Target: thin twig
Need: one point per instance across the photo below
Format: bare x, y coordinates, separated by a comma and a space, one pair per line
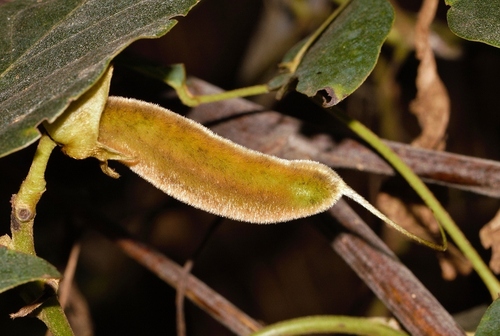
188, 266
69, 273
179, 298
170, 272
24, 205
452, 170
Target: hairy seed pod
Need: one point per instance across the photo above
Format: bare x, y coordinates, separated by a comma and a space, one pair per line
191, 163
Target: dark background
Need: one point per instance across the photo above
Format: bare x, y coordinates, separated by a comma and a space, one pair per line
271, 272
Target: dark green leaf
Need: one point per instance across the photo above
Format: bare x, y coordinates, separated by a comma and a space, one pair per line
475, 20
18, 268
51, 52
345, 54
490, 323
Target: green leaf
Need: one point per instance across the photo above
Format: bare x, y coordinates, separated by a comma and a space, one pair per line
475, 20
490, 323
51, 52
17, 268
345, 53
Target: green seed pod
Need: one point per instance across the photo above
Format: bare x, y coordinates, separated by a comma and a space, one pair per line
191, 163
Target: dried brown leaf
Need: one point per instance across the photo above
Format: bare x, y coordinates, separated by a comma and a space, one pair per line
432, 104
432, 109
69, 273
78, 312
453, 262
419, 219
26, 310
490, 238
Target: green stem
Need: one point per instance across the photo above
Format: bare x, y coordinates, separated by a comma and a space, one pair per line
329, 324
191, 100
22, 221
416, 183
54, 318
24, 203
175, 76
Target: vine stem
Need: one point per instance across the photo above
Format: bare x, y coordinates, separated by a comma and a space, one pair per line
22, 221
25, 201
416, 183
52, 314
329, 324
191, 100
175, 76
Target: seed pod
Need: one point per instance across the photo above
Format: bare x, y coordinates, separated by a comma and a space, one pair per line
191, 163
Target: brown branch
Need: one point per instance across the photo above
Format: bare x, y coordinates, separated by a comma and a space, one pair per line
179, 298
452, 170
173, 274
405, 296
252, 126
188, 266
